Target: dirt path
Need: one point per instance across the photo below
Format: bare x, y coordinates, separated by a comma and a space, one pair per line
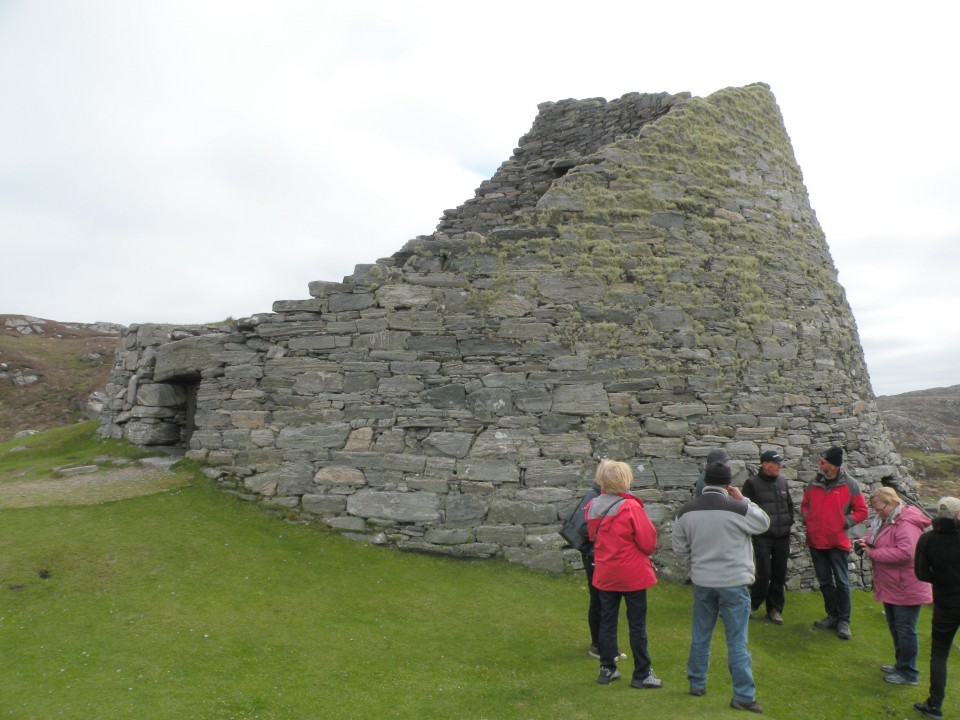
91, 489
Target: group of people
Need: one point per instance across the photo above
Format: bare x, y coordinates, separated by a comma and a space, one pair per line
737, 545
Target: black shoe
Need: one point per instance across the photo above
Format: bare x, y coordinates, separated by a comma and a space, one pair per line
607, 676
828, 623
898, 679
753, 706
843, 630
925, 708
775, 617
697, 692
887, 669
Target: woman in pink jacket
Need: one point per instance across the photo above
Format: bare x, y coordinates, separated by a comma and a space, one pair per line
623, 541
890, 545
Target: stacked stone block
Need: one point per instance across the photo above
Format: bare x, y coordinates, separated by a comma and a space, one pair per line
670, 292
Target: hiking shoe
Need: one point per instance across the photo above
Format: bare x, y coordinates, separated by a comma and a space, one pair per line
697, 692
898, 679
925, 708
843, 630
753, 706
607, 676
650, 682
888, 669
775, 617
828, 623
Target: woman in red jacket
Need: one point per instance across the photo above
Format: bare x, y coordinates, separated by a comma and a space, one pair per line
623, 540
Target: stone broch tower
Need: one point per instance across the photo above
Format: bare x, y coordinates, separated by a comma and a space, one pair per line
644, 280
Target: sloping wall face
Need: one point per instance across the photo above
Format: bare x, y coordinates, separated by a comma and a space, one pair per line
670, 293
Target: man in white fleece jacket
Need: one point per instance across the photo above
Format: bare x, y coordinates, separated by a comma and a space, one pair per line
713, 534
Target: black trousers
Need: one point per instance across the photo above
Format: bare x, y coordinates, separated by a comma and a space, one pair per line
770, 556
636, 602
943, 627
593, 611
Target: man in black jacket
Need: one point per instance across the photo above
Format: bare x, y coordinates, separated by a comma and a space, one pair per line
771, 549
937, 561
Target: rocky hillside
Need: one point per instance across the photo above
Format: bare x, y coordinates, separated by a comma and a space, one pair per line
926, 420
51, 373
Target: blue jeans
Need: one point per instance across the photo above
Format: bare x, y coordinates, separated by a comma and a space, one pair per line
830, 567
902, 621
733, 605
636, 602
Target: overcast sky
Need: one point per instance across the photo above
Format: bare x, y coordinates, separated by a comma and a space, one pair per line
186, 161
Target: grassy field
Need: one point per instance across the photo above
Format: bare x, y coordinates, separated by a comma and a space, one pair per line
191, 604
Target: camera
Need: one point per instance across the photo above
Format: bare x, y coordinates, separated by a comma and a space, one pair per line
858, 549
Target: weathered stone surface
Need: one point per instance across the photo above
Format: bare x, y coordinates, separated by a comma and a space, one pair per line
588, 399
325, 505
314, 437
452, 396
496, 471
505, 535
397, 296
504, 443
185, 359
339, 475
293, 478
449, 537
490, 402
161, 394
660, 447
551, 472
147, 433
455, 445
404, 507
509, 512
666, 428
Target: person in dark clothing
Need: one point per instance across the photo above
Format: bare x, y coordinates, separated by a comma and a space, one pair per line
937, 561
586, 555
771, 549
719, 455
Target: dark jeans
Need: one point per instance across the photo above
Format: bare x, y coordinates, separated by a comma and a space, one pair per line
770, 556
942, 629
593, 611
902, 621
830, 567
636, 602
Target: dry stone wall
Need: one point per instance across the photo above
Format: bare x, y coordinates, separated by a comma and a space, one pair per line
643, 280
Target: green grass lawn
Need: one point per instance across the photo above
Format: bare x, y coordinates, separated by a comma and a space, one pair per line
191, 604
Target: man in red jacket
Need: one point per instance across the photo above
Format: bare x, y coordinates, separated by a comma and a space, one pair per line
831, 505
